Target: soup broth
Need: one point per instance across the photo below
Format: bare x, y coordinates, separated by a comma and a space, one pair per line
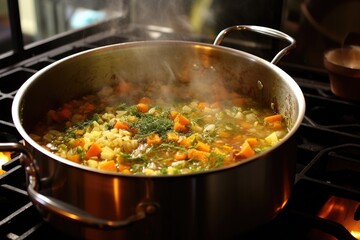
147, 135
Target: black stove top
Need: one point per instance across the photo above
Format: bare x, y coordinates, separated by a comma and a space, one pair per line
328, 159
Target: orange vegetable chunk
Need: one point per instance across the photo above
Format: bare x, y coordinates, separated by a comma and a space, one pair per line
173, 114
121, 125
277, 125
180, 156
198, 155
246, 150
201, 105
273, 118
78, 142
252, 141
108, 166
180, 127
93, 151
74, 158
182, 119
142, 107
203, 147
153, 139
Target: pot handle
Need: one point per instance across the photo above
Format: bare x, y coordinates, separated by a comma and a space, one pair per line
80, 216
263, 30
143, 209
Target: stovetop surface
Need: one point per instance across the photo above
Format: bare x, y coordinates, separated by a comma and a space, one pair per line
328, 156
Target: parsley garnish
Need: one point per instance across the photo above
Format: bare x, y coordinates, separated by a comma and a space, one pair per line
147, 124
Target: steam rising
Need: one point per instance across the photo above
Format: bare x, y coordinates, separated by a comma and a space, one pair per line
173, 79
205, 17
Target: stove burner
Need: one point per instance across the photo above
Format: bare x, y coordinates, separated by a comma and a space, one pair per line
327, 189
338, 166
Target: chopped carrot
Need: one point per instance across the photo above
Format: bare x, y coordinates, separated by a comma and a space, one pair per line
121, 125
185, 142
276, 125
108, 166
203, 147
198, 155
74, 158
93, 151
180, 127
180, 122
78, 142
142, 107
201, 105
246, 150
182, 119
252, 141
153, 139
180, 156
123, 167
273, 118
173, 114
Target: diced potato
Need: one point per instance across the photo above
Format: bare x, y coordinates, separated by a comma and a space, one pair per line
92, 163
272, 139
148, 171
107, 153
186, 109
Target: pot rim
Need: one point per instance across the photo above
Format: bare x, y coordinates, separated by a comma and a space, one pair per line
16, 105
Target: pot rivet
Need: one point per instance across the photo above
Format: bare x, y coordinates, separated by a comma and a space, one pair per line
150, 209
196, 67
260, 85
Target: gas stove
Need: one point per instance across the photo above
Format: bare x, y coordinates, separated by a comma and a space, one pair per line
325, 200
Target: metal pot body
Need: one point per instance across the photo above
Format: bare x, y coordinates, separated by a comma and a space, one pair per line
222, 203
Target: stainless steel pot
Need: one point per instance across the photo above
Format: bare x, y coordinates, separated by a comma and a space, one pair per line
216, 204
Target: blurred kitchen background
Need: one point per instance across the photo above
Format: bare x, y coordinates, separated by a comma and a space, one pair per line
317, 25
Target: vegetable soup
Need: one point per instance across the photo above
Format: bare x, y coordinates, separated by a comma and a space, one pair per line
154, 136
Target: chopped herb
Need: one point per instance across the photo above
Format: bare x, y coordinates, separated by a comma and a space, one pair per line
147, 124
